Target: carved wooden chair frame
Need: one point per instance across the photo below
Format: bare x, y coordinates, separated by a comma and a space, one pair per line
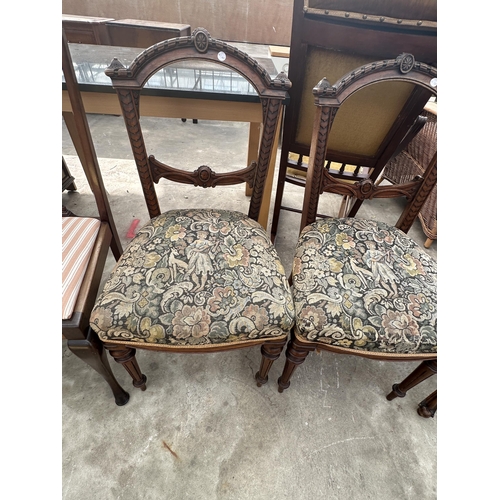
128, 83
328, 99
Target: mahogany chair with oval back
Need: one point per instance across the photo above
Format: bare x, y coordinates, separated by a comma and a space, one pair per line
85, 245
197, 280
329, 39
363, 287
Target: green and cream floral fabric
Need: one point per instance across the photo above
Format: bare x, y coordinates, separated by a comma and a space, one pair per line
193, 277
364, 285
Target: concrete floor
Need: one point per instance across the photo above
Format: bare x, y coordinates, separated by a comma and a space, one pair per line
332, 434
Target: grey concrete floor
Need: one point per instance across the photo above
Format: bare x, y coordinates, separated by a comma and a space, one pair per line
332, 434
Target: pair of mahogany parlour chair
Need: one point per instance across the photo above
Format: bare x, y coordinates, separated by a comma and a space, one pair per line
203, 280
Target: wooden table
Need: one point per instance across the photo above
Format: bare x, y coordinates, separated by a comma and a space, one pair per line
181, 92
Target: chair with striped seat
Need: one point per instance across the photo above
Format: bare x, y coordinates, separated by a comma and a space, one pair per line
85, 245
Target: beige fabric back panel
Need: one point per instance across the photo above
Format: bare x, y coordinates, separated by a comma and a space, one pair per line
363, 120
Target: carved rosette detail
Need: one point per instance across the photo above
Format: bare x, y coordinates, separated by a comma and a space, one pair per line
407, 62
204, 175
201, 40
366, 188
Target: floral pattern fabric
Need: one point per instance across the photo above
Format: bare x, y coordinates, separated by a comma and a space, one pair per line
364, 285
194, 277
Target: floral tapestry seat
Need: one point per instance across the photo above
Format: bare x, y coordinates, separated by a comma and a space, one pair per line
194, 278
362, 285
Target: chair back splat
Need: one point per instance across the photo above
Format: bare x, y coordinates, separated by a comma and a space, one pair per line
197, 279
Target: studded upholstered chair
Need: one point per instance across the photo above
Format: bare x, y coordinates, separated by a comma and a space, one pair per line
85, 245
329, 39
197, 280
363, 287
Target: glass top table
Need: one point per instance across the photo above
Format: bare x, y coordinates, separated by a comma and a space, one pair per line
192, 79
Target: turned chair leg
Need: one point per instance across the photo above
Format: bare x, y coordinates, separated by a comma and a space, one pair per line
296, 354
270, 352
423, 371
125, 355
91, 352
428, 243
428, 407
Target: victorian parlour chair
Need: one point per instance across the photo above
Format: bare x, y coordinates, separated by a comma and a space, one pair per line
330, 38
85, 245
363, 287
197, 280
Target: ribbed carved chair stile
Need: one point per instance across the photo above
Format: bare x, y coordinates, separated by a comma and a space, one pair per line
196, 280
363, 287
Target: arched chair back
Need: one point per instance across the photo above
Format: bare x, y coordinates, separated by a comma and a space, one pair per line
329, 99
200, 46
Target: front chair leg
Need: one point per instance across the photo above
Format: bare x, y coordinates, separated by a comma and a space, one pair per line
91, 352
296, 354
423, 371
428, 407
270, 352
125, 355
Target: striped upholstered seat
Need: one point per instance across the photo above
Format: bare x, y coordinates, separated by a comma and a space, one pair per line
78, 237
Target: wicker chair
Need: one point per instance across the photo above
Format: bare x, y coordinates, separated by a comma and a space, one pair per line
411, 162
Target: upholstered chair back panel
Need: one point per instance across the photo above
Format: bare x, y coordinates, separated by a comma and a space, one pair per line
374, 109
